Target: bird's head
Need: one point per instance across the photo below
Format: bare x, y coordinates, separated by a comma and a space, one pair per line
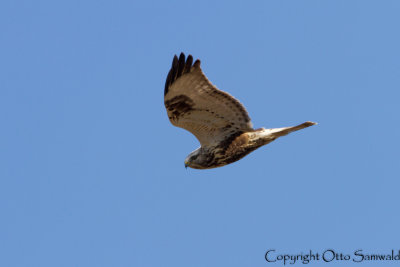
194, 159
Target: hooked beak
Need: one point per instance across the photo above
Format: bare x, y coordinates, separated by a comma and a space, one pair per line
186, 165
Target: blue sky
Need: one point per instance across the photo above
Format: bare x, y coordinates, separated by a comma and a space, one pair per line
92, 170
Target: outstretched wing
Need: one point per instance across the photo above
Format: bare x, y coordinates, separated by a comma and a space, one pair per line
194, 104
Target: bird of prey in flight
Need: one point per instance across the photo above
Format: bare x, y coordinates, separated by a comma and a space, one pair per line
217, 119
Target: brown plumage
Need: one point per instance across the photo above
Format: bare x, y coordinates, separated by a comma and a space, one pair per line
217, 119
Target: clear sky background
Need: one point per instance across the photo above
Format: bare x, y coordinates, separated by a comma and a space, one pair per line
92, 172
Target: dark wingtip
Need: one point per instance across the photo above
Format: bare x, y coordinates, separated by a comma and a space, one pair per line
180, 66
188, 65
197, 63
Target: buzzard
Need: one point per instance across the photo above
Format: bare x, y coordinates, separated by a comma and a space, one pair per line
218, 120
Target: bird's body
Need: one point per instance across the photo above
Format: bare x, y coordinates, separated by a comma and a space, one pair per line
218, 120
